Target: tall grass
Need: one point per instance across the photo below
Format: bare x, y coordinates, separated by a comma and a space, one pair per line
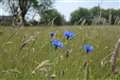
21, 66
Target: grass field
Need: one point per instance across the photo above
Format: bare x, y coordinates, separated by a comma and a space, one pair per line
19, 64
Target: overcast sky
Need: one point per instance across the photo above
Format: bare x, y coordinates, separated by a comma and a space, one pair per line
65, 7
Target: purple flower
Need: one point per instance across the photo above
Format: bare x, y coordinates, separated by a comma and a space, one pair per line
57, 43
88, 48
69, 35
52, 34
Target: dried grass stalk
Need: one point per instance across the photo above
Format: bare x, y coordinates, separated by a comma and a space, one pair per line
41, 66
28, 40
114, 57
87, 70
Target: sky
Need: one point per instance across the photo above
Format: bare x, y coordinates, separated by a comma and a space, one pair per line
65, 7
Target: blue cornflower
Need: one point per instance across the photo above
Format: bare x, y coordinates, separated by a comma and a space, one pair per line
52, 34
88, 48
69, 35
57, 43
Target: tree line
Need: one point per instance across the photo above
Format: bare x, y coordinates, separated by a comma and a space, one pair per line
50, 16
95, 15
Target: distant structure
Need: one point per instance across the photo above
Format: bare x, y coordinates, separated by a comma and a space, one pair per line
6, 20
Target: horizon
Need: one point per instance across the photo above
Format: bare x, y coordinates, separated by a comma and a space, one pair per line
66, 7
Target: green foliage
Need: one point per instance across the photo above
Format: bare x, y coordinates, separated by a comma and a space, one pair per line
95, 11
25, 5
44, 5
52, 17
79, 15
115, 13
111, 16
35, 3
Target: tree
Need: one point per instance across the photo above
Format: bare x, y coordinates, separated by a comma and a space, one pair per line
52, 17
95, 15
21, 7
99, 15
95, 11
115, 15
79, 16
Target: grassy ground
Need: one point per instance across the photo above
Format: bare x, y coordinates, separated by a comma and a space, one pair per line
19, 64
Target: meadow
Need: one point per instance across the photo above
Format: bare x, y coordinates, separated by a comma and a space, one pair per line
38, 60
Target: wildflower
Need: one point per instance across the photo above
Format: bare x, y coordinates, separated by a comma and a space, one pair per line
88, 48
57, 43
52, 34
69, 35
